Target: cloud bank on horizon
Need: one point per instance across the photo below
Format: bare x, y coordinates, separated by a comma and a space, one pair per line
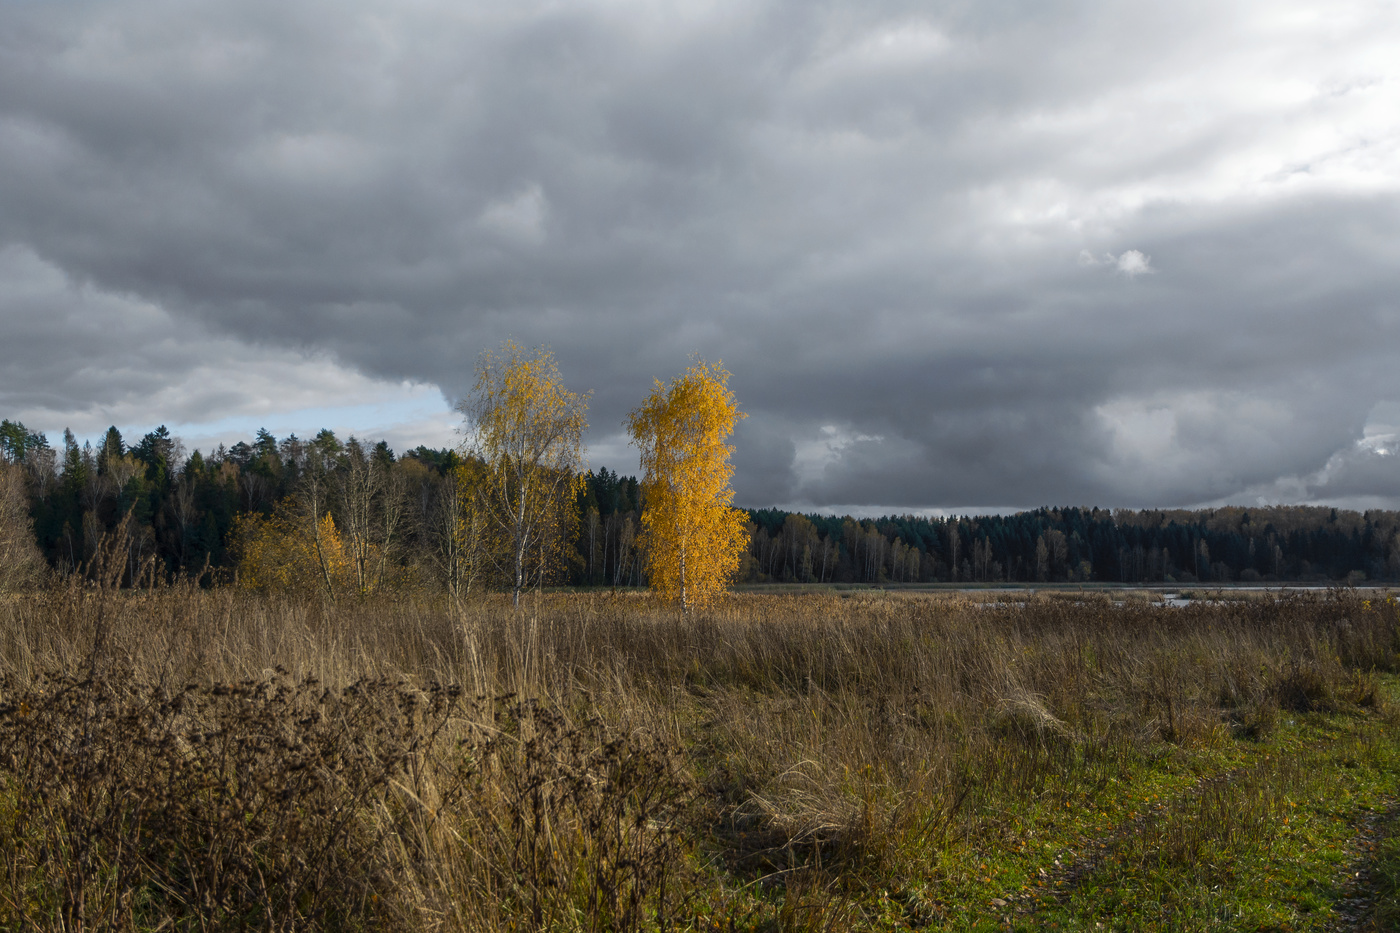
956, 255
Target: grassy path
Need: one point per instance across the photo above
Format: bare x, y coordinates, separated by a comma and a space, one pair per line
1295, 832
1371, 881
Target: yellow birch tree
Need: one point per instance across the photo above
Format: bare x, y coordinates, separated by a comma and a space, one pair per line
691, 538
526, 429
459, 530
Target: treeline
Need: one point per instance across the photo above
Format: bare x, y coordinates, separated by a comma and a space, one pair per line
379, 518
1225, 545
186, 510
324, 512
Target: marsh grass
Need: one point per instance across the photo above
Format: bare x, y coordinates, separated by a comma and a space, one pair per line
183, 758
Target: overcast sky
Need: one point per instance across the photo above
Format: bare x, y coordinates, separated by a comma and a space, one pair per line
957, 256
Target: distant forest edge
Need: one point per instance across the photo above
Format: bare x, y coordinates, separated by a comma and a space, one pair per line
186, 512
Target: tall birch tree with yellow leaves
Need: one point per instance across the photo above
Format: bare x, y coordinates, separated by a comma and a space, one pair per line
692, 538
527, 431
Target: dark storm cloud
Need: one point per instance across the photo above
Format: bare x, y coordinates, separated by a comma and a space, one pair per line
953, 255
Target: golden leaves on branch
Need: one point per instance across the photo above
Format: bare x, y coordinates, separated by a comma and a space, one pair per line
692, 538
526, 430
288, 552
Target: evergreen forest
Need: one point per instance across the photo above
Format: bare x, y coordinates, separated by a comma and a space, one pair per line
190, 513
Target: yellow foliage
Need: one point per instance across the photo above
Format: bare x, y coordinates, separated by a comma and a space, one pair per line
527, 432
693, 540
462, 541
287, 552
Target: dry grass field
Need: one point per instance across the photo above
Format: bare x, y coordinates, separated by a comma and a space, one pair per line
184, 759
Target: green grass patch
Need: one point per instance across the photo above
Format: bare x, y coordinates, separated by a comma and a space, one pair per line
1239, 835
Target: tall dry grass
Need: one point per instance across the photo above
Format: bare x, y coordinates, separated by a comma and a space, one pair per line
215, 758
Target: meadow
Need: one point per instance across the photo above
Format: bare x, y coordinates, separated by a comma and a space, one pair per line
178, 758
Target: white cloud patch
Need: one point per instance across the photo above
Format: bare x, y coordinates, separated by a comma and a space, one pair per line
814, 453
1134, 263
521, 218
1130, 262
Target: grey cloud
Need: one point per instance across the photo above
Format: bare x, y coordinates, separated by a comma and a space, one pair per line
1271, 374
874, 214
82, 358
763, 461
1363, 470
